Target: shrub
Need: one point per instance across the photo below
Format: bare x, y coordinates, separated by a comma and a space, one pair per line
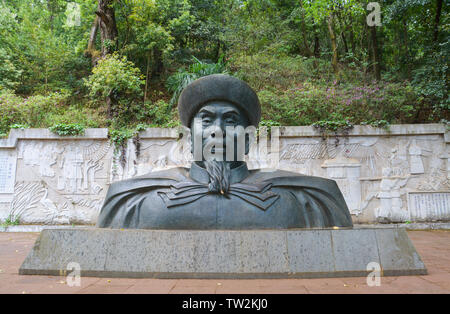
162, 115
115, 74
31, 111
80, 114
314, 101
71, 129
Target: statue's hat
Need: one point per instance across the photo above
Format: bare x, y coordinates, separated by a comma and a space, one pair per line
218, 87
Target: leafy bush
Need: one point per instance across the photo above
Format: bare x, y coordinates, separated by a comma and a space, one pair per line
19, 126
78, 114
430, 81
119, 137
266, 71
9, 73
162, 115
31, 111
10, 112
71, 129
313, 101
115, 75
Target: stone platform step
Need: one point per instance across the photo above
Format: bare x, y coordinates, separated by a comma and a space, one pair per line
293, 253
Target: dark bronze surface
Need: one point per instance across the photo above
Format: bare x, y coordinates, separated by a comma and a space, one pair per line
182, 198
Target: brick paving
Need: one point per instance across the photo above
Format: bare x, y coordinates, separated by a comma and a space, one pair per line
433, 246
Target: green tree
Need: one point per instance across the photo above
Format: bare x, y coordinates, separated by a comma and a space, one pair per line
116, 77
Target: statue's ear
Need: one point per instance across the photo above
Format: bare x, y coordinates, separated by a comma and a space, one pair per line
247, 143
192, 140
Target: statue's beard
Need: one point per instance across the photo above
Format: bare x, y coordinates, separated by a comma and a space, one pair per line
219, 176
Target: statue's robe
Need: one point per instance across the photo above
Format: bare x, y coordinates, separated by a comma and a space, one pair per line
178, 198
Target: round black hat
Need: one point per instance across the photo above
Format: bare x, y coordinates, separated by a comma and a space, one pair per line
218, 87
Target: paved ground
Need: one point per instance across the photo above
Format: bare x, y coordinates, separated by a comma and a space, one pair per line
433, 246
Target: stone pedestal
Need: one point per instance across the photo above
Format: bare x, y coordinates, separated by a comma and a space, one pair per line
223, 254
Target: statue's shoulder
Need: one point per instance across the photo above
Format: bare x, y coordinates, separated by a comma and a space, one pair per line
268, 174
175, 173
288, 178
159, 178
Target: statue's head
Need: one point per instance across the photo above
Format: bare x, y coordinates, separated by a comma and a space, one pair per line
220, 110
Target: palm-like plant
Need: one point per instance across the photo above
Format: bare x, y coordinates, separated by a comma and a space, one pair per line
183, 77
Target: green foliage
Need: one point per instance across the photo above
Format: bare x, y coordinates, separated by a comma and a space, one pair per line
71, 129
269, 123
31, 111
162, 115
333, 125
115, 75
280, 71
11, 221
19, 126
281, 48
312, 101
120, 137
430, 79
377, 123
77, 114
39, 51
9, 73
178, 81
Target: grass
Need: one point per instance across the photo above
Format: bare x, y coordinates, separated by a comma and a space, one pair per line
11, 221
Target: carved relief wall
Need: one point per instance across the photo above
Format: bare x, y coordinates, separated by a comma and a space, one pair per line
385, 176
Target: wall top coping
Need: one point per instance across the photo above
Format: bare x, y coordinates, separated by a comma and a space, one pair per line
367, 130
285, 131
46, 134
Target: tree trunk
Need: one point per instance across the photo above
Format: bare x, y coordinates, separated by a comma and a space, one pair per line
375, 54
146, 76
303, 26
91, 52
217, 54
406, 47
345, 42
157, 63
352, 42
109, 34
334, 59
436, 20
108, 27
316, 46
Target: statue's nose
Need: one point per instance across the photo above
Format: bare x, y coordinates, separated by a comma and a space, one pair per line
218, 129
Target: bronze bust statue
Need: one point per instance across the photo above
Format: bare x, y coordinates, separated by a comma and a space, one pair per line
222, 193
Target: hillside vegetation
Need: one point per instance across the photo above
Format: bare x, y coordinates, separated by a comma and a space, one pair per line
121, 64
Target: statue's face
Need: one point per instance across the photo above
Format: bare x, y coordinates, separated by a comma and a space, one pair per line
219, 118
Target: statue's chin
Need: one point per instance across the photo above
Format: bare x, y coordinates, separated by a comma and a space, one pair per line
219, 173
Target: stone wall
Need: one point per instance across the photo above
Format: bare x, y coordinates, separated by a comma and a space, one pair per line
396, 175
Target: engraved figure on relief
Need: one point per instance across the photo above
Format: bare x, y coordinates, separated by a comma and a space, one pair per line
72, 170
391, 204
78, 171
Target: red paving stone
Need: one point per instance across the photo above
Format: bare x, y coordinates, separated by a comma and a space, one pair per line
433, 247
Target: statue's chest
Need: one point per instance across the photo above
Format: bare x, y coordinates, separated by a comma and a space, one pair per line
215, 211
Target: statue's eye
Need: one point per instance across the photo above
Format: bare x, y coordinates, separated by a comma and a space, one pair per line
230, 120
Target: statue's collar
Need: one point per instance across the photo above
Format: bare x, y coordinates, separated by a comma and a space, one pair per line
200, 174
